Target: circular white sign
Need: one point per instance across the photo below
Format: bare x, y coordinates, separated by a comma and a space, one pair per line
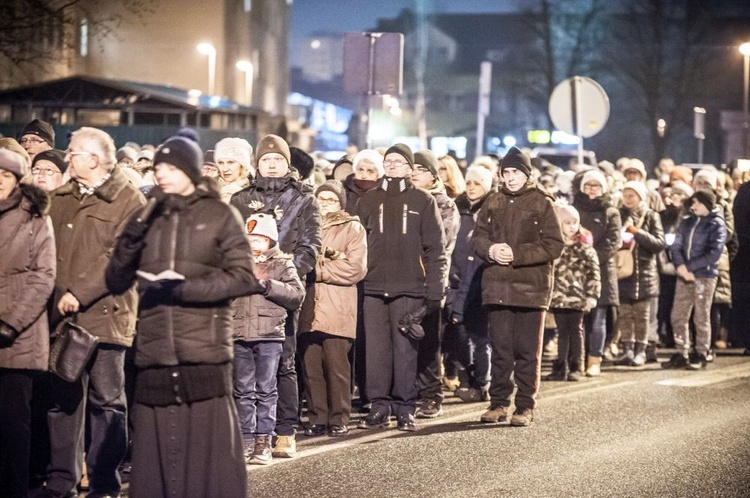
591, 102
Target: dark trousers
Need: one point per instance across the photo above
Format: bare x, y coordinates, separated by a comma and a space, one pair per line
255, 385
100, 394
327, 375
287, 408
570, 337
16, 387
516, 339
428, 358
740, 329
359, 353
474, 350
391, 356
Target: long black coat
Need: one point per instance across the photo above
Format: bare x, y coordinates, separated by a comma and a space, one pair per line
602, 219
649, 242
740, 269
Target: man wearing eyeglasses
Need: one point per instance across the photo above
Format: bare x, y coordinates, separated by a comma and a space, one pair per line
48, 169
276, 191
88, 213
37, 136
406, 275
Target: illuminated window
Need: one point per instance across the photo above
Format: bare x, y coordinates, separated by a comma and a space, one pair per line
84, 37
248, 5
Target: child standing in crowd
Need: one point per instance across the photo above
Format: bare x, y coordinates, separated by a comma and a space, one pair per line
259, 322
577, 284
696, 252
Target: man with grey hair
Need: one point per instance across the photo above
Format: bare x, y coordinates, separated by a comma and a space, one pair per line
88, 214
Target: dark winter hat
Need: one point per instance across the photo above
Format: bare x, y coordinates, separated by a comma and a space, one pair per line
208, 158
56, 157
403, 150
182, 150
336, 187
427, 159
273, 143
40, 128
705, 197
515, 158
302, 162
13, 163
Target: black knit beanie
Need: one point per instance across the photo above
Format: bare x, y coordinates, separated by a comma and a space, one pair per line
705, 197
41, 129
182, 151
427, 159
515, 158
56, 157
404, 151
336, 187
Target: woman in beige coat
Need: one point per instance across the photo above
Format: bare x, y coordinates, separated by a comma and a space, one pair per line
328, 320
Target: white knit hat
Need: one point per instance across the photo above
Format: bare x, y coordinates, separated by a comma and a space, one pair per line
596, 176
637, 187
375, 157
237, 149
707, 175
262, 224
481, 175
637, 165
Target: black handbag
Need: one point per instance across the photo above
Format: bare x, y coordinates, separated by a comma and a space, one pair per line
71, 350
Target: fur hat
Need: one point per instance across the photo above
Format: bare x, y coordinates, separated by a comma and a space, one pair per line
427, 159
40, 128
638, 187
335, 187
402, 150
637, 165
262, 224
706, 175
594, 175
302, 162
682, 187
705, 197
371, 155
272, 143
56, 157
236, 149
515, 158
481, 175
183, 152
12, 145
13, 163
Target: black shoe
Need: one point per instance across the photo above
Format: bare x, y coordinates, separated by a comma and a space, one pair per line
375, 420
406, 423
429, 408
313, 430
698, 363
96, 494
651, 353
676, 361
48, 493
338, 430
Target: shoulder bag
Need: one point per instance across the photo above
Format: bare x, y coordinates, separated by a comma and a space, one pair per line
71, 351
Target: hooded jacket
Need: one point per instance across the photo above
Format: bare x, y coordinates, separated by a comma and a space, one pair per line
699, 243
27, 276
577, 276
525, 220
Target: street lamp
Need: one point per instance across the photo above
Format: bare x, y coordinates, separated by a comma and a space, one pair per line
247, 68
745, 51
210, 50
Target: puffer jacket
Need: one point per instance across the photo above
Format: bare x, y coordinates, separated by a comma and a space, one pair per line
465, 272
261, 317
331, 304
602, 219
203, 239
406, 250
86, 231
296, 211
649, 242
27, 276
699, 243
525, 220
577, 277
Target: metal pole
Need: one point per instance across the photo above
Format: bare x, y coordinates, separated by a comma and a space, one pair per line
485, 87
212, 72
371, 84
746, 125
577, 116
700, 151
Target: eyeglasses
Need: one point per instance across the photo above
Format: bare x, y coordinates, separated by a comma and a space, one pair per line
419, 170
69, 152
31, 141
45, 171
328, 201
592, 186
395, 164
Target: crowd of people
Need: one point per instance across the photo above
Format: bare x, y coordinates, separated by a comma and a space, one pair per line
231, 287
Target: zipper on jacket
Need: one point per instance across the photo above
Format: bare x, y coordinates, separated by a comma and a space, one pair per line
175, 221
690, 239
404, 219
380, 217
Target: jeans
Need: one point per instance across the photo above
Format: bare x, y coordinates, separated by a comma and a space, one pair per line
100, 394
287, 408
429, 358
596, 329
255, 389
474, 347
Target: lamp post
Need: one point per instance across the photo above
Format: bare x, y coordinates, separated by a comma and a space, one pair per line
247, 68
745, 51
210, 50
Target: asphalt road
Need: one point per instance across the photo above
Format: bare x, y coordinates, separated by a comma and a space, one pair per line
643, 432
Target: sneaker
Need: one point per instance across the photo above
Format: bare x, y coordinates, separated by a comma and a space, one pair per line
247, 449
710, 356
698, 362
429, 408
651, 353
522, 417
471, 394
675, 361
262, 454
375, 420
495, 414
286, 447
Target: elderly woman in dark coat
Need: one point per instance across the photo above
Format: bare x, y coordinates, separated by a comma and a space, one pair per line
600, 217
27, 277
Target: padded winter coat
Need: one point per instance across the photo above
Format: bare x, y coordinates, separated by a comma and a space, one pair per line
577, 277
649, 242
699, 243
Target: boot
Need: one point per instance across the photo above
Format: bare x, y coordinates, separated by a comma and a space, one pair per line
593, 366
639, 356
651, 353
574, 373
558, 371
626, 358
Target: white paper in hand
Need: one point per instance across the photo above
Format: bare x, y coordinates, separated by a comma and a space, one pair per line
164, 275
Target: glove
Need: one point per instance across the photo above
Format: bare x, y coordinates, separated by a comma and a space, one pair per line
139, 224
332, 253
8, 335
431, 306
161, 291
